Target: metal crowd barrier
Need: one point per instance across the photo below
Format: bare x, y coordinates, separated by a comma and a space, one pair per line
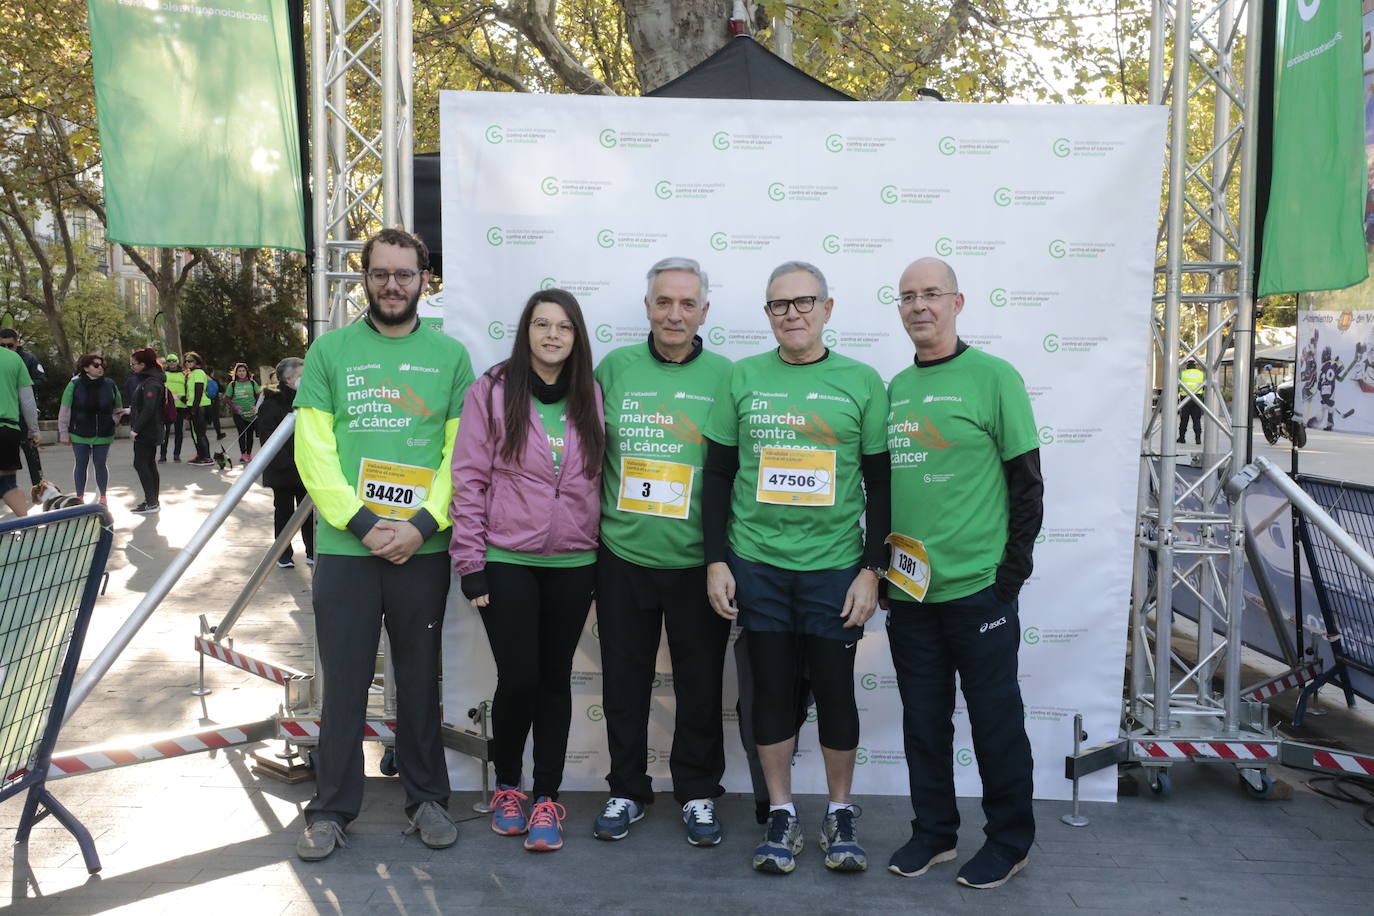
51, 568
1344, 586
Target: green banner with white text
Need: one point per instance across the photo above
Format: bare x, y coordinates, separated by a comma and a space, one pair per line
1313, 233
196, 103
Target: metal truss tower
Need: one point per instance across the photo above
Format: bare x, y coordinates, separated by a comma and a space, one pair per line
1190, 538
361, 134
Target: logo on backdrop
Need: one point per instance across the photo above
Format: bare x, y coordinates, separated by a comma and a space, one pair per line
716, 335
835, 244
610, 138
887, 295
1090, 251
610, 238
553, 187
967, 248
607, 138
799, 193
1050, 343
741, 143
840, 143
729, 241
595, 712
494, 236
696, 190
963, 757
1063, 148
970, 146
496, 330
892, 194
496, 134
1021, 298
1308, 8
1046, 435
503, 235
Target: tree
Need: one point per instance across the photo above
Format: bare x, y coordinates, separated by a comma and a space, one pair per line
246, 309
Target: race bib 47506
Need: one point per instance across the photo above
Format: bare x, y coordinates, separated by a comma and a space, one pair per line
796, 476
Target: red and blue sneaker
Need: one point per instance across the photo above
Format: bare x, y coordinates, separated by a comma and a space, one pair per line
507, 813
546, 825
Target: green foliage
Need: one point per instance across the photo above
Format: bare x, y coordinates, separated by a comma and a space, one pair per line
253, 315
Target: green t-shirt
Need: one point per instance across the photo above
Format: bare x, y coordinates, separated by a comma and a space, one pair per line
951, 427
390, 398
554, 418
13, 376
244, 395
176, 384
198, 377
69, 395
798, 496
655, 413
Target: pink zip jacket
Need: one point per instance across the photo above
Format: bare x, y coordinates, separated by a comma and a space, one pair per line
524, 506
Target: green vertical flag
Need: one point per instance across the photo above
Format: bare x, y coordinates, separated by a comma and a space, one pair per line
1314, 231
197, 112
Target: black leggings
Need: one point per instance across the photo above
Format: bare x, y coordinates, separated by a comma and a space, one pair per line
776, 659
285, 502
245, 431
145, 464
533, 623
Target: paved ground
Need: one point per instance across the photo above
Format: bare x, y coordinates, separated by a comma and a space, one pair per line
202, 833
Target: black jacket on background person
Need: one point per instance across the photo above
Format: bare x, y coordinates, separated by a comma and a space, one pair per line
145, 404
281, 470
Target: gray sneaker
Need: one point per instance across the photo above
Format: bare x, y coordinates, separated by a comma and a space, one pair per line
777, 853
319, 840
436, 828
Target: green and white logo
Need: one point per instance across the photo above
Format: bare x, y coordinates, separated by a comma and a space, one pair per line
716, 335
1002, 197
830, 337
947, 146
887, 295
868, 681
1061, 147
1046, 435
607, 138
496, 330
1050, 343
777, 191
604, 333
1058, 248
606, 238
549, 186
495, 236
944, 246
595, 712
548, 283
1031, 636
721, 139
1040, 538
720, 241
495, 134
663, 190
830, 244
998, 297
861, 755
888, 194
963, 757
834, 143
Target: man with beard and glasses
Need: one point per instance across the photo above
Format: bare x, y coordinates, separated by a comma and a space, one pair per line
376, 415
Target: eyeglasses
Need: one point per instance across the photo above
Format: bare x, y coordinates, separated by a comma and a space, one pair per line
95, 365
926, 297
404, 276
542, 325
778, 307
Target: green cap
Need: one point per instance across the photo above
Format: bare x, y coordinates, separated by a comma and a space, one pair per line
172, 358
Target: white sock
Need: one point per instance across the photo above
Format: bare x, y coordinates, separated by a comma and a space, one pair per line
786, 806
835, 806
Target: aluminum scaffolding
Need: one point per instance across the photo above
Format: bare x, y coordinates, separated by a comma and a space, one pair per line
361, 138
1189, 538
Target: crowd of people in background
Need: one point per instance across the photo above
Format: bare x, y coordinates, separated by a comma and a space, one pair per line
161, 398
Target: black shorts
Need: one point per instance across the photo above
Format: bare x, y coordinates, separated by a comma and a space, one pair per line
776, 600
10, 439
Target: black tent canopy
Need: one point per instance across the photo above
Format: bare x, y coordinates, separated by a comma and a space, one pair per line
742, 69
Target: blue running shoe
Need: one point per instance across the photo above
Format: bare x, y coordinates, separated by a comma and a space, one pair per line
781, 843
842, 849
507, 812
613, 823
546, 825
699, 815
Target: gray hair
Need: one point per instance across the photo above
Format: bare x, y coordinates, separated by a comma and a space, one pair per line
685, 264
792, 267
291, 366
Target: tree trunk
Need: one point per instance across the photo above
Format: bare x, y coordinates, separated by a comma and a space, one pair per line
668, 39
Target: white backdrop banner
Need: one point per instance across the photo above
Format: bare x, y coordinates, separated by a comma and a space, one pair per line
1048, 215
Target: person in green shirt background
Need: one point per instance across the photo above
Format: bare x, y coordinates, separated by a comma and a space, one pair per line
242, 392
91, 406
967, 500
651, 571
198, 403
18, 411
795, 438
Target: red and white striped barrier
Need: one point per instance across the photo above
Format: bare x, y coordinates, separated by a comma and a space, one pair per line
308, 730
270, 671
1345, 763
1211, 750
93, 759
1287, 682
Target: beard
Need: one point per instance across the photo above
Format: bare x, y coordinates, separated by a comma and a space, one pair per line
406, 316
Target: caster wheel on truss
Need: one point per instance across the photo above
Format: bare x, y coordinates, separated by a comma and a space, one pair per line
1159, 783
1263, 791
388, 764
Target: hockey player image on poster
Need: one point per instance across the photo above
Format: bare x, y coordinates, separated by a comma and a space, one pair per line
1336, 370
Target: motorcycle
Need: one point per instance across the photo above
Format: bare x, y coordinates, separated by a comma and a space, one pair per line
1274, 407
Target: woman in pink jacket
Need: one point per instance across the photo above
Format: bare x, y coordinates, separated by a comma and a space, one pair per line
526, 504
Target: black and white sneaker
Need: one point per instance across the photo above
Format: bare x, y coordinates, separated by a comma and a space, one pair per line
285, 563
146, 509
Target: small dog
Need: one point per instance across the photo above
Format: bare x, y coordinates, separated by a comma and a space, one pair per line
61, 501
43, 491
